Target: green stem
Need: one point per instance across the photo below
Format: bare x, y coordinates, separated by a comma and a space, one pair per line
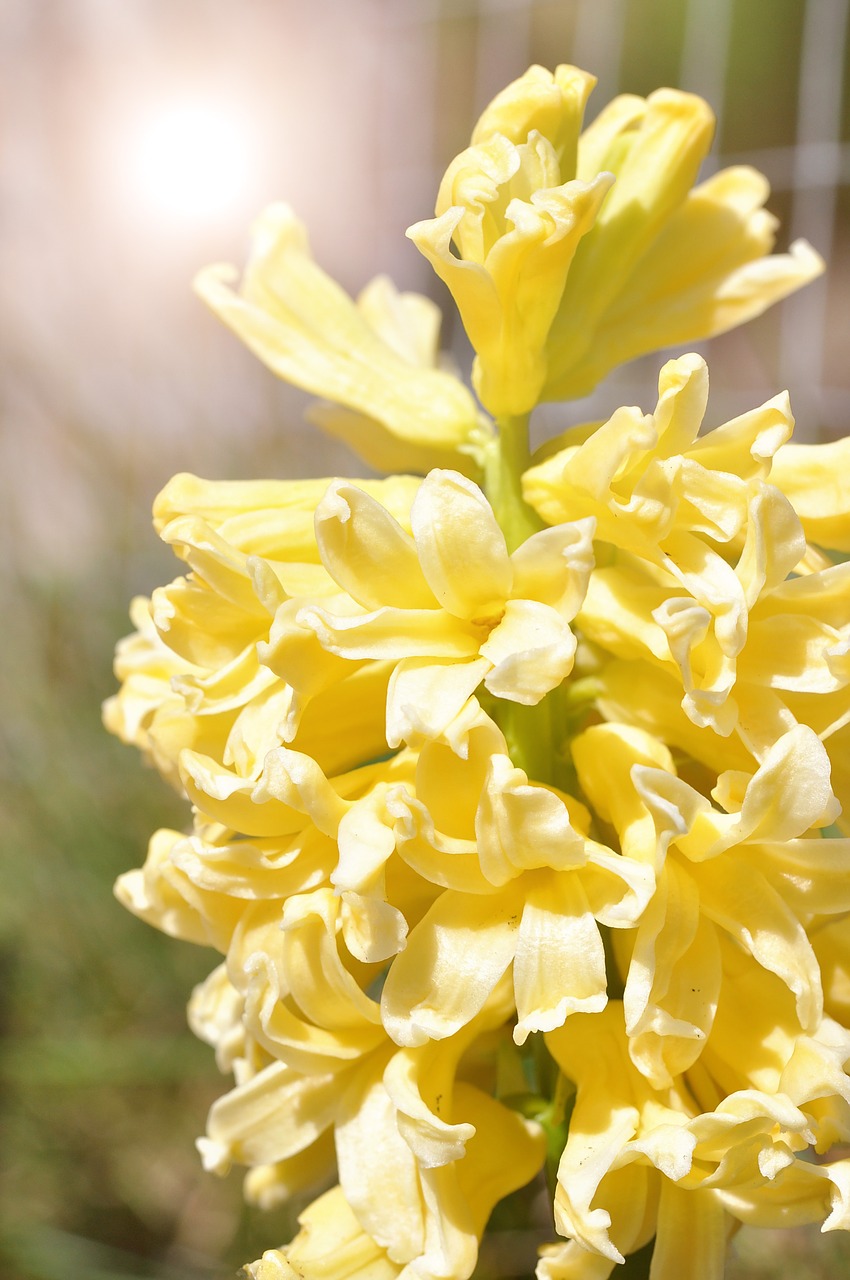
506, 457
529, 730
529, 733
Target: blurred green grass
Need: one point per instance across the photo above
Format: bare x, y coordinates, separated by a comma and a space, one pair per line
102, 1087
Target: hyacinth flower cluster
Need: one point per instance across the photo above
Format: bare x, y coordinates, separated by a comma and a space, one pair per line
519, 783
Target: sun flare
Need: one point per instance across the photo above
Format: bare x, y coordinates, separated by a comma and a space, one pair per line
191, 161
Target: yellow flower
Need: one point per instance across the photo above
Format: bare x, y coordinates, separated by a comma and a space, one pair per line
558, 276
741, 871
525, 889
449, 608
374, 358
411, 1139
191, 676
453, 1203
517, 230
641, 1161
706, 543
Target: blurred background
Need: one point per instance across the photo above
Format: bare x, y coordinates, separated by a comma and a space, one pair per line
138, 139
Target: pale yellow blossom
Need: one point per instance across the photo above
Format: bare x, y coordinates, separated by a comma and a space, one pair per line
751, 871
448, 607
653, 1149
525, 888
702, 538
558, 276
372, 359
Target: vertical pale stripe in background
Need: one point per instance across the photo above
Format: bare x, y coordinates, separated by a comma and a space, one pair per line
407, 159
598, 45
504, 43
816, 178
705, 56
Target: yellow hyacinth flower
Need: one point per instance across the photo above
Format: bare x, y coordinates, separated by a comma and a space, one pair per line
559, 275
707, 545
740, 871
192, 678
641, 1162
334, 1243
410, 1140
375, 358
449, 607
525, 892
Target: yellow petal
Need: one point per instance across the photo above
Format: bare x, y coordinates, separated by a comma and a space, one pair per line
391, 633
604, 757
226, 797
324, 989
256, 869
554, 565
550, 103
271, 518
532, 651
377, 1169
693, 1232
484, 1175
461, 548
812, 875
520, 826
559, 968
747, 446
277, 1026
791, 790
655, 168
407, 322
162, 895
453, 960
270, 1117
331, 1245
367, 552
740, 899
673, 980
385, 451
816, 477
424, 697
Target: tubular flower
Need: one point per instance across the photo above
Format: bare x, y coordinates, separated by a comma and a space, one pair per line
529, 902
192, 676
448, 607
713, 868
517, 805
558, 275
333, 1242
374, 358
706, 547
641, 1161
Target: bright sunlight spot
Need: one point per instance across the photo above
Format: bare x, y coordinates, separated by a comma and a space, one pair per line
191, 161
